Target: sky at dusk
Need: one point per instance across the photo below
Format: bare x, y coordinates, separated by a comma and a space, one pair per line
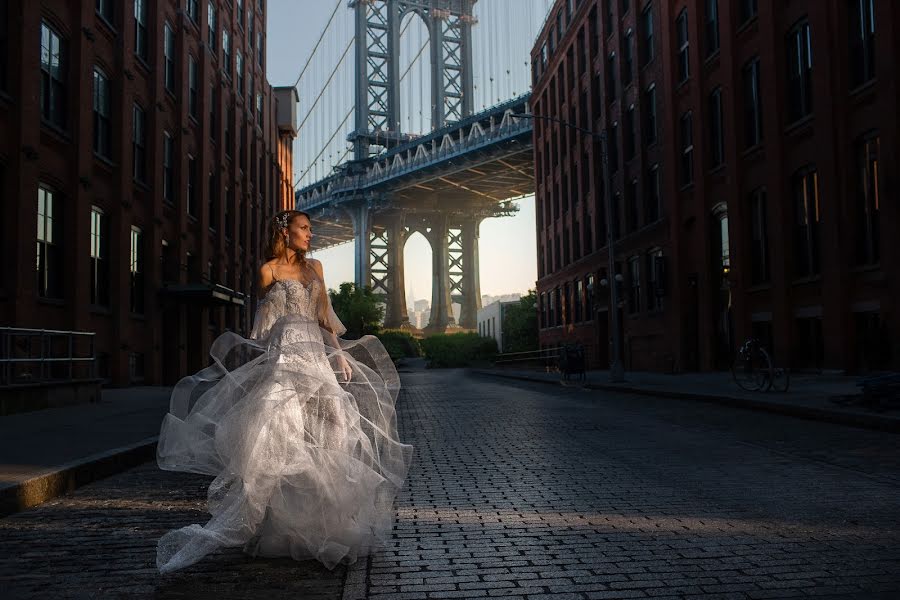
508, 257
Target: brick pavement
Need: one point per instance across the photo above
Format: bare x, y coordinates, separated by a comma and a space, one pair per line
522, 491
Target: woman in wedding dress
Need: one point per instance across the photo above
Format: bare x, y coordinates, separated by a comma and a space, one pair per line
297, 426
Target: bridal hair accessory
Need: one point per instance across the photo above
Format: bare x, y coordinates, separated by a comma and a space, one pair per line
283, 219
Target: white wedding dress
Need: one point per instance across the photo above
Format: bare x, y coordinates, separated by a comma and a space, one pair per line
304, 466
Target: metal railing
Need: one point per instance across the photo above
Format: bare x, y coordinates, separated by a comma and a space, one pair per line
41, 356
547, 358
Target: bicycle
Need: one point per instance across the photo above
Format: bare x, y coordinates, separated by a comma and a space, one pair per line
752, 367
754, 371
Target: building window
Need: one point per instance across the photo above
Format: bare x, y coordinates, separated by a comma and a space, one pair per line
589, 297
625, 6
193, 10
799, 72
656, 280
649, 111
809, 348
554, 301
753, 131
239, 68
168, 168
759, 238
723, 258
259, 48
630, 133
169, 52
687, 149
140, 29
259, 108
652, 197
211, 21
136, 367
712, 27
559, 25
716, 135
611, 77
139, 144
862, 41
105, 8
240, 13
49, 245
579, 294
634, 280
250, 92
612, 148
647, 49
681, 25
99, 258
748, 10
54, 70
192, 187
213, 202
632, 213
136, 272
627, 58
806, 223
608, 21
868, 204
213, 110
229, 128
250, 35
193, 108
226, 52
102, 131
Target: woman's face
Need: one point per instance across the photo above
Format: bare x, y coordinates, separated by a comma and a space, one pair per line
299, 234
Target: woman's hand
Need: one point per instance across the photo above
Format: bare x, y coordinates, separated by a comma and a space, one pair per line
344, 367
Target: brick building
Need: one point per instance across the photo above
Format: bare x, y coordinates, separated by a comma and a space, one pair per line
753, 172
141, 155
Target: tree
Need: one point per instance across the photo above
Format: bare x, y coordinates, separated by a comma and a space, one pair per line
358, 308
520, 327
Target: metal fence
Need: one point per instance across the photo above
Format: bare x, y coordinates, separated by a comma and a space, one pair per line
40, 356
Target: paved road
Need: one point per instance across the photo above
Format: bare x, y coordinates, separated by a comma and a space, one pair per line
528, 491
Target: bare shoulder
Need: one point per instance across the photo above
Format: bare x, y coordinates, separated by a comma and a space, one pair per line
317, 265
266, 274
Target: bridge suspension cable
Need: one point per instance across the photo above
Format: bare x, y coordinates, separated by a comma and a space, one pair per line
318, 42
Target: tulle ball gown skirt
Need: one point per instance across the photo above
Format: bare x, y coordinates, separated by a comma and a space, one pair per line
305, 464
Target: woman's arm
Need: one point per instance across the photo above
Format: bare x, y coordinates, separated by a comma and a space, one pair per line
266, 279
323, 320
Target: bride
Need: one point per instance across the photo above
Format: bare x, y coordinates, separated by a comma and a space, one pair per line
297, 426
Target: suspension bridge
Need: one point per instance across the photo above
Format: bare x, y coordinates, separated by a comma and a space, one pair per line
409, 125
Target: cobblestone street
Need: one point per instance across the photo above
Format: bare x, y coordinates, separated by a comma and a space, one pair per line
529, 491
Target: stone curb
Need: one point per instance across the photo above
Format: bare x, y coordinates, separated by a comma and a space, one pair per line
852, 419
65, 478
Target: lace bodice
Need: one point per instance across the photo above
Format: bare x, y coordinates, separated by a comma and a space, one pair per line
294, 297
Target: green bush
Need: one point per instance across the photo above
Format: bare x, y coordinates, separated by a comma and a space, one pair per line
399, 343
458, 349
358, 308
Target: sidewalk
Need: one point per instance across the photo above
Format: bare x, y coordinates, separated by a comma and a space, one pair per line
814, 397
48, 452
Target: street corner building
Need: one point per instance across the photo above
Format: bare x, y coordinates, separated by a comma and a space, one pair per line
753, 160
142, 152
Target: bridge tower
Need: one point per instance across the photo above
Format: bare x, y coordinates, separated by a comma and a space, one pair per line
381, 227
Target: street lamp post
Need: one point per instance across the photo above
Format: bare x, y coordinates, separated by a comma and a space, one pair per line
616, 369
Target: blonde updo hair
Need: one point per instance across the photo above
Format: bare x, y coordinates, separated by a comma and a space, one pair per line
275, 244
